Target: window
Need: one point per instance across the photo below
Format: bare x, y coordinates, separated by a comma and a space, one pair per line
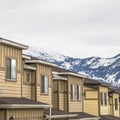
116, 104
61, 86
11, 68
28, 77
78, 92
44, 84
101, 98
72, 89
105, 99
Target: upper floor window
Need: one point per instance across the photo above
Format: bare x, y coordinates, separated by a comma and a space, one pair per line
72, 91
78, 92
103, 98
44, 84
11, 68
116, 104
28, 77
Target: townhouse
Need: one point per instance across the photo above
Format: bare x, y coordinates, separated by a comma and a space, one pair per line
12, 102
68, 93
101, 99
33, 89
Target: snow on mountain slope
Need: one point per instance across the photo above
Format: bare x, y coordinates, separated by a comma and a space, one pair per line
44, 54
106, 69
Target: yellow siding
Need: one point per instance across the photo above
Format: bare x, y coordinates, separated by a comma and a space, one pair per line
7, 51
25, 114
104, 110
75, 106
44, 70
115, 112
10, 88
91, 101
62, 101
91, 107
27, 89
91, 94
55, 100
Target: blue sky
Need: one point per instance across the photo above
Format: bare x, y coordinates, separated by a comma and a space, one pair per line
78, 28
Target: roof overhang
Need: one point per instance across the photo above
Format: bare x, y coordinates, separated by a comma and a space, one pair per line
29, 67
14, 44
92, 118
62, 116
57, 77
10, 106
40, 62
72, 74
26, 57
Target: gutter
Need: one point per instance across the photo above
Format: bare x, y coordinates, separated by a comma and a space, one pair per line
23, 106
61, 116
92, 118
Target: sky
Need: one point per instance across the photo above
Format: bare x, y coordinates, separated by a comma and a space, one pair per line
78, 28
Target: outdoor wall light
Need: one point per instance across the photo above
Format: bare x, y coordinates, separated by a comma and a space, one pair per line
11, 118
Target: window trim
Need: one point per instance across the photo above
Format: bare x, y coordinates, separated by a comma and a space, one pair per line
78, 92
10, 79
116, 104
72, 92
43, 93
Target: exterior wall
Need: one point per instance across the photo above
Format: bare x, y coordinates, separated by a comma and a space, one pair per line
55, 101
110, 105
2, 115
25, 114
104, 110
10, 88
44, 70
115, 112
75, 105
91, 101
28, 88
60, 95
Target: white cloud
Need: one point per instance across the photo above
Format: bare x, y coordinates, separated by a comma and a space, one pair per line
74, 27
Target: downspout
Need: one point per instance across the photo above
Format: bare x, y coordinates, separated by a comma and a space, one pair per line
50, 113
83, 95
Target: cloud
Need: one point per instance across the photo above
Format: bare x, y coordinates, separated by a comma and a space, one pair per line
72, 27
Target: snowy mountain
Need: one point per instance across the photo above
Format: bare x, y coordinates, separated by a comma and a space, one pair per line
106, 69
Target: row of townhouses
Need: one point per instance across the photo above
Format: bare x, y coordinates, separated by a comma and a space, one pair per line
33, 89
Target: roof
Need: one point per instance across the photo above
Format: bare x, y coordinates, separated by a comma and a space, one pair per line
29, 67
12, 43
40, 61
109, 117
14, 102
89, 81
86, 116
114, 89
57, 77
55, 113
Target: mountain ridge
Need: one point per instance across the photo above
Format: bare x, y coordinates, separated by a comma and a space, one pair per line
105, 69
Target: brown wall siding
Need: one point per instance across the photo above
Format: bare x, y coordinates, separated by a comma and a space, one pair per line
10, 88
44, 70
75, 106
2, 115
25, 113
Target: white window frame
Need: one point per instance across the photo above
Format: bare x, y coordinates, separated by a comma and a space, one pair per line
44, 84
72, 91
12, 69
78, 92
